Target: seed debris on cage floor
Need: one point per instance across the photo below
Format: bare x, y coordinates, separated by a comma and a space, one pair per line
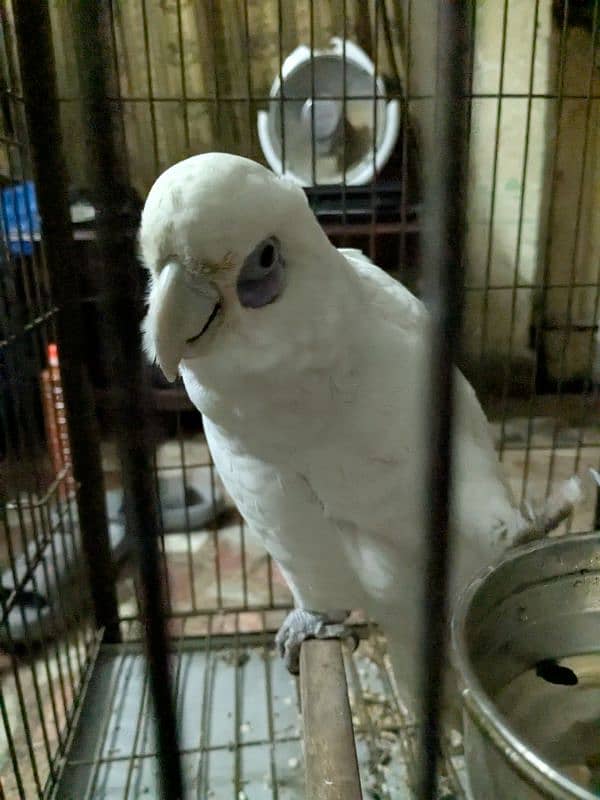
241, 729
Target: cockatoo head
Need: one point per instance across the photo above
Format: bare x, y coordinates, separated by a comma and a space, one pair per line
222, 238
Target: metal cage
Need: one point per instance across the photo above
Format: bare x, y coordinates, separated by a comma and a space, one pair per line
98, 503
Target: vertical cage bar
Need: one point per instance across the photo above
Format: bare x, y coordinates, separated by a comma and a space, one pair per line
161, 534
217, 131
103, 722
576, 241
140, 724
123, 311
202, 776
374, 141
443, 243
12, 751
249, 90
268, 665
553, 180
183, 79
494, 192
404, 88
18, 764
590, 394
36, 58
344, 112
281, 86
186, 514
313, 100
516, 271
150, 84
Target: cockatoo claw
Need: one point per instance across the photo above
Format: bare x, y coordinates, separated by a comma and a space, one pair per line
558, 507
300, 625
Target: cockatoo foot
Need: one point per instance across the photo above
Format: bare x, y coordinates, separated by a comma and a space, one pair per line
556, 508
300, 625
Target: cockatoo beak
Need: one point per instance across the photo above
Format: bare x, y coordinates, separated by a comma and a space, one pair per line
181, 310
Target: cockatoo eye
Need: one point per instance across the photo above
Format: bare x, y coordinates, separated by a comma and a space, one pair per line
261, 278
267, 256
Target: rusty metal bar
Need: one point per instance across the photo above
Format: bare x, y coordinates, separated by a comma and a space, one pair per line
36, 59
330, 752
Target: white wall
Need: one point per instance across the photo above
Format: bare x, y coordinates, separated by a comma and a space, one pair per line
499, 127
507, 173
573, 255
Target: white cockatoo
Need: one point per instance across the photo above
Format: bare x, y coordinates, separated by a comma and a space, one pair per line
308, 364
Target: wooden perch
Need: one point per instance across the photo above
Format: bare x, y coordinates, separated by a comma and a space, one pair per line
330, 752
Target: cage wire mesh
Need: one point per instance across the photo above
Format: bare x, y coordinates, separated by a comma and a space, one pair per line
190, 77
40, 536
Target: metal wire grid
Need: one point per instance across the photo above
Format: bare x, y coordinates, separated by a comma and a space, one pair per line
586, 447
39, 527
589, 396
547, 457
239, 716
216, 678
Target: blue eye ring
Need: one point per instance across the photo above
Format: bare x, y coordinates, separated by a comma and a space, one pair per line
262, 276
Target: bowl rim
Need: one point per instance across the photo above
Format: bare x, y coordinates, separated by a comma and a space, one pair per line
531, 767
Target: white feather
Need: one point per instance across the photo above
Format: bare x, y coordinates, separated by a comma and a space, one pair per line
314, 406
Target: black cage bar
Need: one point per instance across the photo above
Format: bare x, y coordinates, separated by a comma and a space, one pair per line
129, 582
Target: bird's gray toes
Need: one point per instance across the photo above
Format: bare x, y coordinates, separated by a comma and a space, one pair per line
300, 625
339, 631
290, 652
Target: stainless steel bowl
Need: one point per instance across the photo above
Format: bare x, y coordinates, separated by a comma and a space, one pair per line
526, 646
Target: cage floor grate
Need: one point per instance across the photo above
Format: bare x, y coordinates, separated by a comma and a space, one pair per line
241, 730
